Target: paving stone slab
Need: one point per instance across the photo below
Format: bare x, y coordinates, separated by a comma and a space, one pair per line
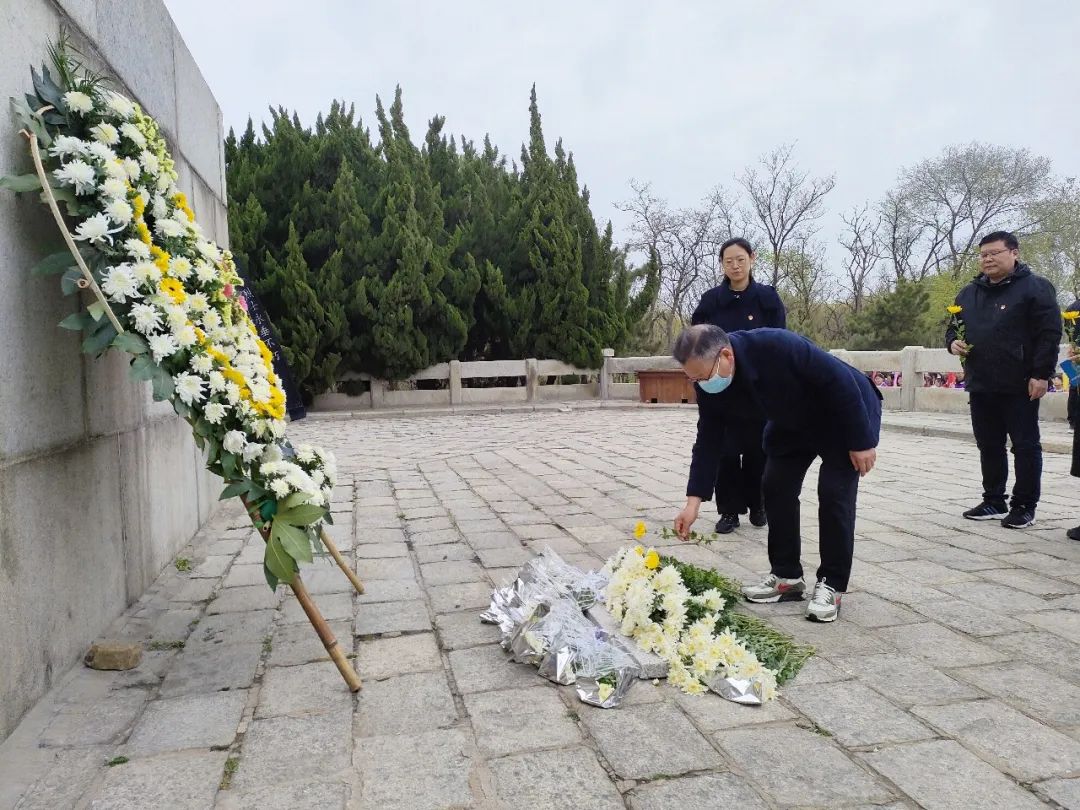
102, 721
421, 771
444, 553
905, 680
304, 690
294, 796
385, 568
820, 773
404, 704
706, 792
664, 741
872, 611
377, 551
493, 539
388, 590
240, 575
383, 657
1065, 792
459, 630
193, 721
855, 714
332, 607
941, 775
69, 774
188, 779
324, 577
548, 779
460, 596
277, 749
518, 720
970, 619
244, 598
212, 669
1046, 648
392, 617
226, 630
1029, 688
196, 590
1063, 623
939, 645
483, 669
1011, 741
451, 572
296, 644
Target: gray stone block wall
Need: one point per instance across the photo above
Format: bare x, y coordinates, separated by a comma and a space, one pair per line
99, 485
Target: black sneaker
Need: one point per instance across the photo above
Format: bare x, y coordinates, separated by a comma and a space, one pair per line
758, 518
727, 523
1073, 533
1019, 517
987, 511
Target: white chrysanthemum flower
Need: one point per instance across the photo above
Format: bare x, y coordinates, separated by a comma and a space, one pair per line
234, 441
202, 364
132, 169
318, 477
79, 174
198, 302
163, 346
215, 412
261, 429
209, 251
164, 183
137, 249
180, 268
232, 393
176, 315
78, 102
217, 381
252, 450
169, 228
67, 146
146, 318
110, 163
159, 207
272, 455
120, 284
280, 488
113, 188
272, 463
277, 428
106, 133
305, 454
245, 410
150, 163
94, 229
189, 388
147, 273
205, 272
120, 211
121, 106
186, 336
131, 132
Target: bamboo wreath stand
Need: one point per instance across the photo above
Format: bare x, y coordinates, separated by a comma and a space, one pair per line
311, 610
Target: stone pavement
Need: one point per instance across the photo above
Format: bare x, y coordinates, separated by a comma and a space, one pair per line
952, 679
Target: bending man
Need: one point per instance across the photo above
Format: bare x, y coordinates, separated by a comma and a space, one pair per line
816, 407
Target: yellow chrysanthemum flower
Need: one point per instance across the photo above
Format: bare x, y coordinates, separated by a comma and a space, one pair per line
639, 530
1071, 315
639, 551
652, 559
954, 309
144, 234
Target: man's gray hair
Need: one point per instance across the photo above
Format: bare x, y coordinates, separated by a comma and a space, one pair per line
703, 341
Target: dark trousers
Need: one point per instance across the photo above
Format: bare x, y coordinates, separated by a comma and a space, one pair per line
838, 487
993, 417
742, 465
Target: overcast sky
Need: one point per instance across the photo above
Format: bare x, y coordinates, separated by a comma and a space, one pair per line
682, 94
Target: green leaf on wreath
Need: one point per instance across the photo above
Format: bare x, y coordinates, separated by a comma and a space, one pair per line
234, 489
271, 580
96, 310
278, 562
316, 541
295, 499
69, 282
268, 509
99, 341
76, 322
143, 368
20, 183
163, 384
229, 465
53, 263
301, 515
132, 342
45, 87
293, 540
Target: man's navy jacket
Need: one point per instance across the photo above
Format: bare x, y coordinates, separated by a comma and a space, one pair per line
814, 403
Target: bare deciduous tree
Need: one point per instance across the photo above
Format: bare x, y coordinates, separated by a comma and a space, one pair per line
785, 204
942, 206
685, 241
861, 238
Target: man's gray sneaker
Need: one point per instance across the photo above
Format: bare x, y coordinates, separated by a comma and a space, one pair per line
987, 511
775, 589
824, 605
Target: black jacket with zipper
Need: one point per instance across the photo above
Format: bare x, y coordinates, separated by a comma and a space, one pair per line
1013, 328
757, 306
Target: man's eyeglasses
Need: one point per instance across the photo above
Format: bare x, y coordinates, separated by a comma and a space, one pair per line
992, 253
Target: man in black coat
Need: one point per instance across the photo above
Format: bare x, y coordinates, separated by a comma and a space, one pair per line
740, 303
1012, 328
816, 407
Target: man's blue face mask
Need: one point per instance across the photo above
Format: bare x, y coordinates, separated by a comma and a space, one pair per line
715, 384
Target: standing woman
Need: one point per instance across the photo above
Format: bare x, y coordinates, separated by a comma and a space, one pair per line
738, 304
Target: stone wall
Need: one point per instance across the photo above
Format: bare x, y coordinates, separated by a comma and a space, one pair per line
99, 485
